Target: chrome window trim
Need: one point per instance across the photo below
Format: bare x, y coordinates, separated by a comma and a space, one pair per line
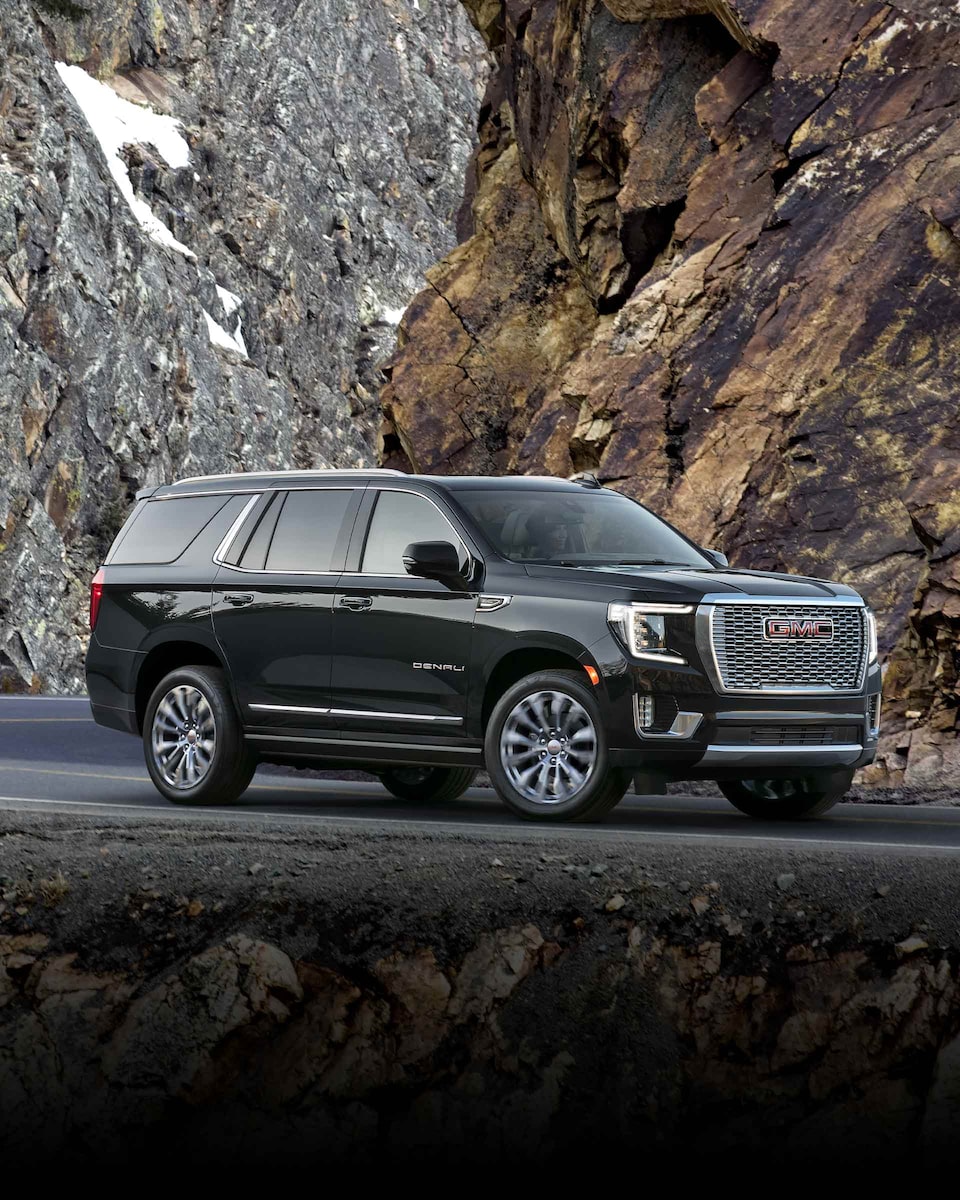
471, 559
705, 644
234, 529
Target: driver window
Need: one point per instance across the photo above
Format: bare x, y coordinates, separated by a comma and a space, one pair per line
400, 518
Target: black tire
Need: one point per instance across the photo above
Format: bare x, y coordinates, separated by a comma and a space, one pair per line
603, 786
427, 785
230, 762
787, 799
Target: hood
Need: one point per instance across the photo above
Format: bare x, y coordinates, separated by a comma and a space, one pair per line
687, 585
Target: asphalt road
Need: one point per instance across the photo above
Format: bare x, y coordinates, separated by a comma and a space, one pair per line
53, 756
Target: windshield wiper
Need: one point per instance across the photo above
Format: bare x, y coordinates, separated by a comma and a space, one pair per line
650, 562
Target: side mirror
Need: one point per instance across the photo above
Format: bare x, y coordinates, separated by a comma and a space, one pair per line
717, 557
432, 560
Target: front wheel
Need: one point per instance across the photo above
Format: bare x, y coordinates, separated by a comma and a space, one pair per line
192, 739
546, 751
427, 785
787, 799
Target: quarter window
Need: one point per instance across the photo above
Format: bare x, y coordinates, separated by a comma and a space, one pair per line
399, 519
164, 529
307, 530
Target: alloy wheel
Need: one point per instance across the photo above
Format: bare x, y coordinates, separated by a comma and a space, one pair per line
184, 737
548, 747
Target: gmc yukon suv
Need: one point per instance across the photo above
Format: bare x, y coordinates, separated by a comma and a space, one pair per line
552, 631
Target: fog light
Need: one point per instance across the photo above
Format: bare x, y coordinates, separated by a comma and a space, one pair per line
645, 716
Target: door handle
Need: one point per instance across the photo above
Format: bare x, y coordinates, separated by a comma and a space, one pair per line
237, 599
355, 603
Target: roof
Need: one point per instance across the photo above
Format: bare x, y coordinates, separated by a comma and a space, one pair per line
253, 481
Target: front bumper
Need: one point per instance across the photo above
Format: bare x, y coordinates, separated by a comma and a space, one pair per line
728, 736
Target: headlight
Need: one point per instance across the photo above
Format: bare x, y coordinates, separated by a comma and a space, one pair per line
871, 637
643, 629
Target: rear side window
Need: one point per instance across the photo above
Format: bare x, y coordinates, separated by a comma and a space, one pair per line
164, 529
307, 530
399, 519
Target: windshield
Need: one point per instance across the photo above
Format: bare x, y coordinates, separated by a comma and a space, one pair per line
588, 528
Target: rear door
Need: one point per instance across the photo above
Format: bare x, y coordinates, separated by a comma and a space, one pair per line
273, 605
401, 662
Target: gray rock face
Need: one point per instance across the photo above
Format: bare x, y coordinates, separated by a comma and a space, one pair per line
327, 150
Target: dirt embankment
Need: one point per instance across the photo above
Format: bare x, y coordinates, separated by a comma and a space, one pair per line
313, 993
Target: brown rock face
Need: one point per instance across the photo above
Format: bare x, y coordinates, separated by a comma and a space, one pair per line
712, 253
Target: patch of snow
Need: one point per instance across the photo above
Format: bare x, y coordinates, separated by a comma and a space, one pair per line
220, 337
392, 316
230, 300
116, 123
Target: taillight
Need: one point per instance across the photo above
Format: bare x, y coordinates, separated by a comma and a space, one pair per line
96, 592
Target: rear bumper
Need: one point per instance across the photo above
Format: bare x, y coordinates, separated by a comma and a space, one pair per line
111, 685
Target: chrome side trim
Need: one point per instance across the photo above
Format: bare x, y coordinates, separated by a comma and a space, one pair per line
346, 742
353, 712
234, 529
290, 708
394, 716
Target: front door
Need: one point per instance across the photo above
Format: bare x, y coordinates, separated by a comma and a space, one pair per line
401, 664
273, 608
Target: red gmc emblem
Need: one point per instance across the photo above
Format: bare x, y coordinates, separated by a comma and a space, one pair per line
790, 629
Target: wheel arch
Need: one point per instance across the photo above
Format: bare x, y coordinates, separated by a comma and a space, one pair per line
166, 656
515, 663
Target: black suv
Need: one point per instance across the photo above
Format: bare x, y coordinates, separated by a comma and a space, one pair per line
552, 631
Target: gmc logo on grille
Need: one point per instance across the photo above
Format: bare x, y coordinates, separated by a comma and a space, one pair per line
793, 629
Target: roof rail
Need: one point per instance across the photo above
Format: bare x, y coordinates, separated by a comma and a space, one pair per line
282, 471
586, 479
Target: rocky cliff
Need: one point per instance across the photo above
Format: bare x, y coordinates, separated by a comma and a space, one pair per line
711, 251
216, 298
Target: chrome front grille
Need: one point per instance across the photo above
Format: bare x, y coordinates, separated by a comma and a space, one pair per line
748, 661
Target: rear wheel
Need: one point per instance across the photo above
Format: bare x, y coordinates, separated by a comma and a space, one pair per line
546, 751
427, 785
787, 799
192, 740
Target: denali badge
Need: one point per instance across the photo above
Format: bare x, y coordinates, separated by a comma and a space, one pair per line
792, 629
425, 666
